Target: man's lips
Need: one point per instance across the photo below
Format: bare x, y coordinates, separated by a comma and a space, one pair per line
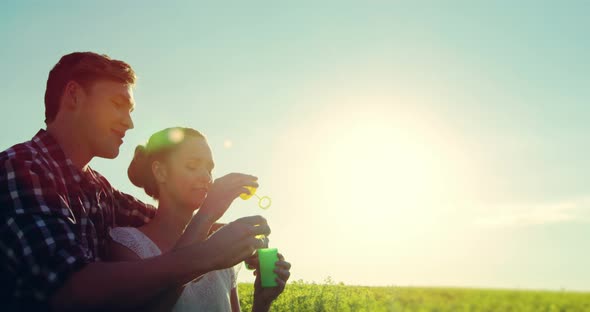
120, 134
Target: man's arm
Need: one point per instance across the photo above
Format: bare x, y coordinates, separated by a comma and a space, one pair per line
128, 285
121, 286
56, 273
198, 230
165, 299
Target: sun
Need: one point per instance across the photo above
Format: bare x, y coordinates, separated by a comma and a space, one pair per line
394, 165
376, 164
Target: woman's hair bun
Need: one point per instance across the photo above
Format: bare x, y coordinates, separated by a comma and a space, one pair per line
139, 170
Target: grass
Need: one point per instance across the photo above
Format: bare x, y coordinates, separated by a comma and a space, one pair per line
300, 297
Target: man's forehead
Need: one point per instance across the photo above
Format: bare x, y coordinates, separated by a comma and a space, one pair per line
114, 86
122, 91
126, 94
125, 99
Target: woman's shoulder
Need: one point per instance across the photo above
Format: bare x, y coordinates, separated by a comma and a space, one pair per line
134, 240
124, 235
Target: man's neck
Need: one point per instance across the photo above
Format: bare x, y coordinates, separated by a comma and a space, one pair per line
72, 145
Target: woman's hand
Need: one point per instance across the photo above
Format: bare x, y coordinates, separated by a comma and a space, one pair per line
223, 192
263, 297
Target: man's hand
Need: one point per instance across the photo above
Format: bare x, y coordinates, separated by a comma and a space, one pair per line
252, 261
236, 241
223, 192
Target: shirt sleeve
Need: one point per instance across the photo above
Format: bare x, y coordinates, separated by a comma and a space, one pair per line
39, 248
130, 211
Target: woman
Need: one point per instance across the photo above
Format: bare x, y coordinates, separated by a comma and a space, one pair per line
175, 168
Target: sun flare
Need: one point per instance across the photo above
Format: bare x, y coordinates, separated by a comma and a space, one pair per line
375, 163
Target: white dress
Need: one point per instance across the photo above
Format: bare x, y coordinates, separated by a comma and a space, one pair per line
209, 293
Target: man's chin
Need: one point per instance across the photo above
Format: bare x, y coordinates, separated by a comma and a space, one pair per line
109, 154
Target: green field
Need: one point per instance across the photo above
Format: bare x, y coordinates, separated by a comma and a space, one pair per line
300, 296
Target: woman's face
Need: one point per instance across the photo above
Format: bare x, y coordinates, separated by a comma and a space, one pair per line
188, 172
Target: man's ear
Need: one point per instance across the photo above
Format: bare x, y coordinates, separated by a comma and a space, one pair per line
159, 171
73, 95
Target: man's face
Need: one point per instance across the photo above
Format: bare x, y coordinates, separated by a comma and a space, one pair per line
106, 116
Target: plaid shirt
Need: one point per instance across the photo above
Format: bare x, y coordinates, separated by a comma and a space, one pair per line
54, 219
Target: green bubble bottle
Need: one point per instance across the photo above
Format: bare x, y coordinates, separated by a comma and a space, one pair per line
267, 257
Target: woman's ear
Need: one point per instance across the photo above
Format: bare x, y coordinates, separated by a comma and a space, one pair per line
159, 171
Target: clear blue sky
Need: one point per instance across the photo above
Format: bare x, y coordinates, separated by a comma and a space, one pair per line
402, 144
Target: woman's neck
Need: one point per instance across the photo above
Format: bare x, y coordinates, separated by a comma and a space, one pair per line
168, 225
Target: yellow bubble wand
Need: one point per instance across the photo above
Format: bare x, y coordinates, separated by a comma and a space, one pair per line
264, 202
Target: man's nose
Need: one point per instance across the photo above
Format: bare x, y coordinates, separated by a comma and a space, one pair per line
128, 122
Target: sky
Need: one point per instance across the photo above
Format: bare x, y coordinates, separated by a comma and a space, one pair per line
402, 144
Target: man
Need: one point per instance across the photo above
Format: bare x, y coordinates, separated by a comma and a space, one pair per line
55, 211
